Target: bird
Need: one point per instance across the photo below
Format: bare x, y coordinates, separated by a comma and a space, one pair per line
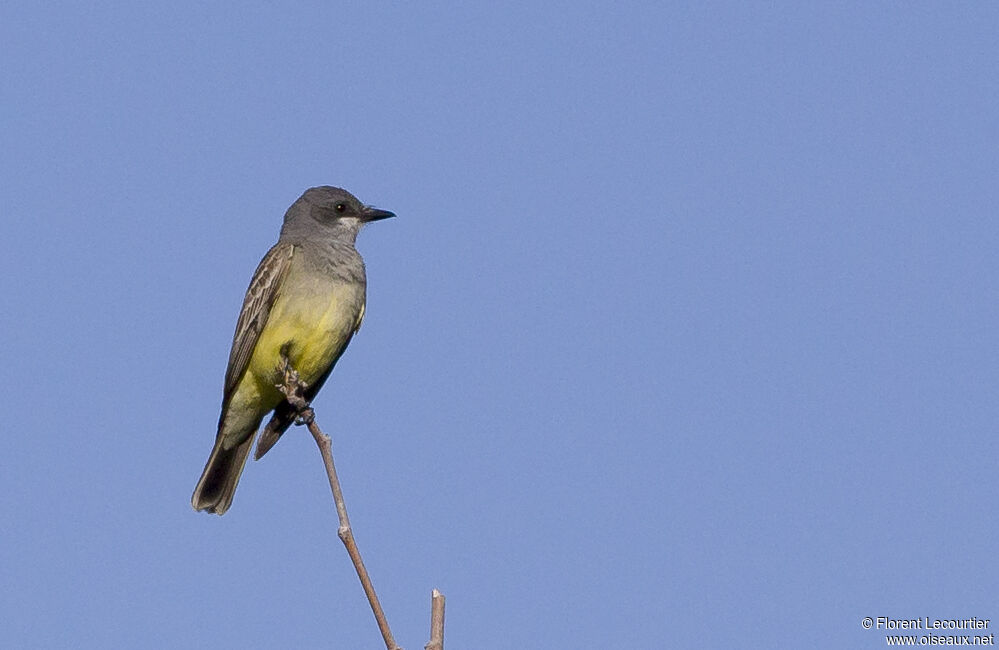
303, 306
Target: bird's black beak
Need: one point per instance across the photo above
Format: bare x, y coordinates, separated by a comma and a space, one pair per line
373, 214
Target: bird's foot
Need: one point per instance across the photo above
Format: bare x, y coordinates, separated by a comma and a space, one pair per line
305, 416
293, 389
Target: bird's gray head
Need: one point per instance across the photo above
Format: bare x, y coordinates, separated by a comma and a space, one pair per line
328, 213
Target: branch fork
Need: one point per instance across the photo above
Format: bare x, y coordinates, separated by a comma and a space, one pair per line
293, 388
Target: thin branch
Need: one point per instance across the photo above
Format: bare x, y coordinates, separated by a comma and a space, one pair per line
294, 390
436, 641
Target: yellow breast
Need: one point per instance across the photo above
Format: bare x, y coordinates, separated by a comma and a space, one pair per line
312, 327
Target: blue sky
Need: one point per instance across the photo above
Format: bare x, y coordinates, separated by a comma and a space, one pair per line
685, 335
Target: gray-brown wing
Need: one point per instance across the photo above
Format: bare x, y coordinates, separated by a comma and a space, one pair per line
256, 306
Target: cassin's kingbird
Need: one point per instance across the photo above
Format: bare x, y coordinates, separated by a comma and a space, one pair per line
305, 302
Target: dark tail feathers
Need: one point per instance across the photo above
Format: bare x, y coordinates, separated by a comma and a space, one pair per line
218, 481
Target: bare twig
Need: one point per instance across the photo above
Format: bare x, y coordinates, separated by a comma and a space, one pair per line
436, 641
294, 390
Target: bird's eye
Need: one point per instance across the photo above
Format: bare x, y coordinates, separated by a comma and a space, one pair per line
340, 207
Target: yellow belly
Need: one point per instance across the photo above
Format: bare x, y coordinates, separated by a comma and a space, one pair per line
311, 325
312, 330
